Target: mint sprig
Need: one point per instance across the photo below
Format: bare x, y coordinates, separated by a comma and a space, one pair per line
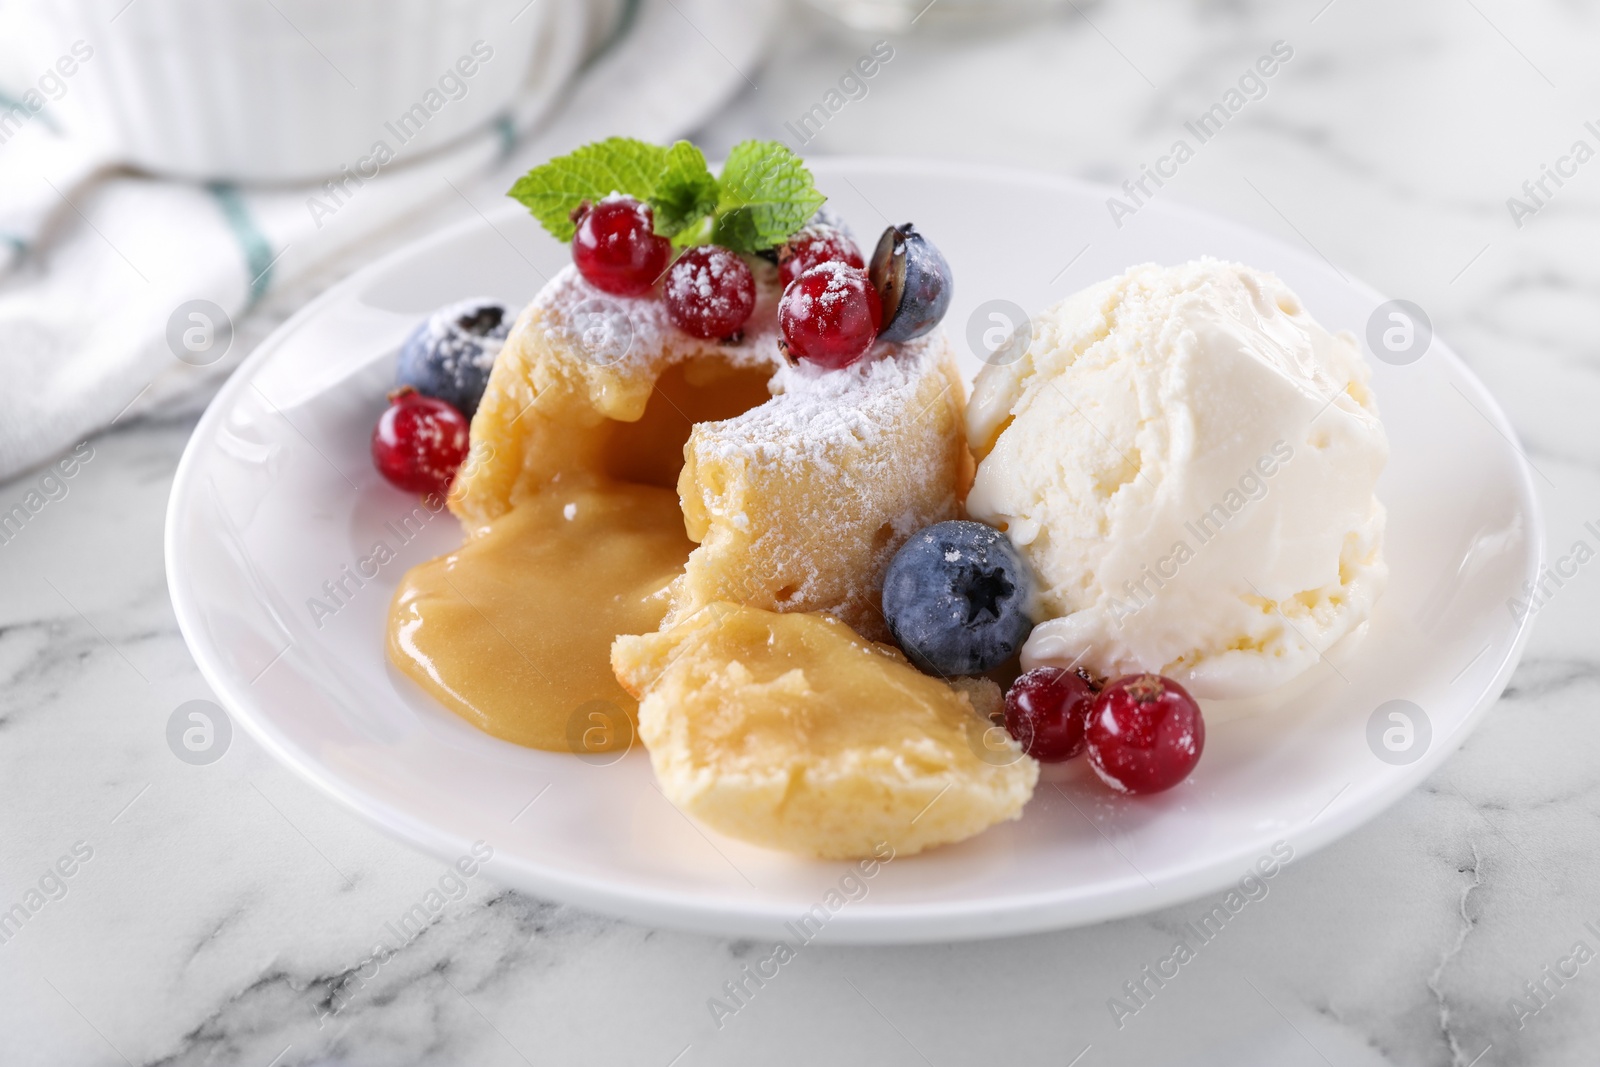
765, 192
552, 191
685, 194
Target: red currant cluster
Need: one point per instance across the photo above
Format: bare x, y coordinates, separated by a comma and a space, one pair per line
832, 308
709, 290
830, 312
1144, 733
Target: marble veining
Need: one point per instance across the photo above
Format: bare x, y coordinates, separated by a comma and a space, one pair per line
229, 914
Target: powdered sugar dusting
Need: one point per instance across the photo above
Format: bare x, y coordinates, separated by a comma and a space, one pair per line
815, 410
633, 336
842, 281
809, 495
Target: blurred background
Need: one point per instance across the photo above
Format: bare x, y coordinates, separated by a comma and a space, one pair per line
159, 152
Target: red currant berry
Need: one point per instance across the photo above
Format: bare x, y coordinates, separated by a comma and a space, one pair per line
1144, 734
830, 315
710, 292
814, 245
1045, 711
419, 442
616, 247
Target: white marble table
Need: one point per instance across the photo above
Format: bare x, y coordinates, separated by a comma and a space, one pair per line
220, 906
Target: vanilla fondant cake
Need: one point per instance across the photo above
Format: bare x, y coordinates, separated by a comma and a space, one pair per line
797, 502
704, 457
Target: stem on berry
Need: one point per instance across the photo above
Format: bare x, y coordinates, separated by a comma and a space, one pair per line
1147, 688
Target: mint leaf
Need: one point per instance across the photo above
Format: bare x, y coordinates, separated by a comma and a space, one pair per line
685, 194
764, 195
767, 194
553, 190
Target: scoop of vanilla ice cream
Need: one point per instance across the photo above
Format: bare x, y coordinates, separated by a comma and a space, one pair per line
1187, 460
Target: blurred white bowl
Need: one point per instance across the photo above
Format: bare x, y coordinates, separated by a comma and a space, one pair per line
291, 90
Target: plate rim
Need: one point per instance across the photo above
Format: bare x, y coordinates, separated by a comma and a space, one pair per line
909, 923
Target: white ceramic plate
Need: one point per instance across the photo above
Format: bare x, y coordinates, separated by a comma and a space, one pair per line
276, 496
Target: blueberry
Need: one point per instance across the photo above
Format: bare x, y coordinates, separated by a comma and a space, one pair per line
956, 597
913, 281
450, 354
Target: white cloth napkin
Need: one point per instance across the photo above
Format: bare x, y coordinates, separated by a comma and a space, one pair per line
94, 264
